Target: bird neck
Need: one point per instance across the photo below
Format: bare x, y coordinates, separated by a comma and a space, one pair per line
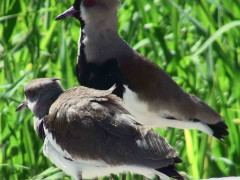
100, 22
100, 40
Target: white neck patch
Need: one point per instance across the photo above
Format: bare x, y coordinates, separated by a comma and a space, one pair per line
31, 104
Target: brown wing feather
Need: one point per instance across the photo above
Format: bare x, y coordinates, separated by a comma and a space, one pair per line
156, 88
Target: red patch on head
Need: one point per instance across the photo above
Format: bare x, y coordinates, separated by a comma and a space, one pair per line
89, 3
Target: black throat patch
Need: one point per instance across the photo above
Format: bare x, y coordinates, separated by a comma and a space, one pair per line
40, 129
98, 76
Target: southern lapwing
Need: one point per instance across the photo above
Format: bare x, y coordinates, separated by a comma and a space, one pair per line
87, 133
153, 97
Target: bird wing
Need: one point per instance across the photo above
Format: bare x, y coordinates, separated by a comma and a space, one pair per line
164, 96
93, 127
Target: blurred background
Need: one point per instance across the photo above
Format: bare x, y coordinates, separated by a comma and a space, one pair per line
196, 42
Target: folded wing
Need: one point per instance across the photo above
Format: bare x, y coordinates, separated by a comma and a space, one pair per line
165, 99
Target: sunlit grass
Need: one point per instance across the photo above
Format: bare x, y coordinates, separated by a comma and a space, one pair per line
196, 42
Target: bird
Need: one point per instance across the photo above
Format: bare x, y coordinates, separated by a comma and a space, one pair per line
149, 93
88, 133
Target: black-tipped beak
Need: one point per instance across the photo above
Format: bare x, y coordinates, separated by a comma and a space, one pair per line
67, 13
22, 105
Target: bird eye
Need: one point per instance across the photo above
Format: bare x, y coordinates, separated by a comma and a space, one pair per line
29, 93
89, 3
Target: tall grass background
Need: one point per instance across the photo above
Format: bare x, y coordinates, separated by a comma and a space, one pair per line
196, 42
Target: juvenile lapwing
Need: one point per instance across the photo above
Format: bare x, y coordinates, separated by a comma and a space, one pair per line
153, 97
87, 133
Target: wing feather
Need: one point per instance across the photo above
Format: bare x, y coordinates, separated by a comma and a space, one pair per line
164, 96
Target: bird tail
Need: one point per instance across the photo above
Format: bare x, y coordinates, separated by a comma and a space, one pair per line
169, 171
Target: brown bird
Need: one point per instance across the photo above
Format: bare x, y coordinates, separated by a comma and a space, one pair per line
148, 92
87, 133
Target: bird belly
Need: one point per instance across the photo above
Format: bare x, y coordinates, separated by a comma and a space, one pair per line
92, 172
85, 169
72, 166
144, 115
88, 169
68, 166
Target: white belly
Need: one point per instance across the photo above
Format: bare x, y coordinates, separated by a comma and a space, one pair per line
69, 167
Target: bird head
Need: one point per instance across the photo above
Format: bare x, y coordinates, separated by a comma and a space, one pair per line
40, 94
94, 8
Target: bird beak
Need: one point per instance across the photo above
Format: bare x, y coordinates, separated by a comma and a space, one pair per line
67, 13
22, 105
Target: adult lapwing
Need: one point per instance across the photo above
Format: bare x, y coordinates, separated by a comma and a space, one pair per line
153, 97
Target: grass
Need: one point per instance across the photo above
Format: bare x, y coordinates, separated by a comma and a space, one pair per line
196, 42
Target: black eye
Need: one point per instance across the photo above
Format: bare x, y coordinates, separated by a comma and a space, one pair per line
29, 93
